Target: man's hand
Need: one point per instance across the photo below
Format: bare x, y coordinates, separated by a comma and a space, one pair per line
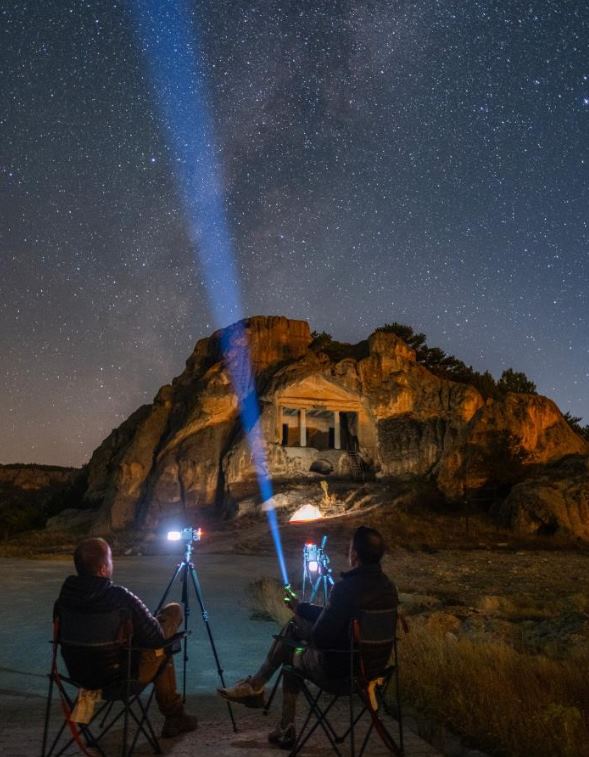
290, 598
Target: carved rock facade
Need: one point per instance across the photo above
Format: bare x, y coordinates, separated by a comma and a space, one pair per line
380, 414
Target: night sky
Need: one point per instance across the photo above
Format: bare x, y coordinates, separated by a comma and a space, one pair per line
425, 162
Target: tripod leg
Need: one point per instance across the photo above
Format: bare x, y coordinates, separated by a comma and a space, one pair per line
205, 617
186, 605
181, 568
168, 587
315, 589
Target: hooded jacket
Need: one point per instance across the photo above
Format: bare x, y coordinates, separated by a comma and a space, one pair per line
363, 588
95, 594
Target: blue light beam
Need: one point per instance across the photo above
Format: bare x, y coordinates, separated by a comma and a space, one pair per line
168, 35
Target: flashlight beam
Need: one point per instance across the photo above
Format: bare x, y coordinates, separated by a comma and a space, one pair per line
171, 44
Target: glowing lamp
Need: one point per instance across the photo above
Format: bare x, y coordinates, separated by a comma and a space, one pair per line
306, 513
187, 535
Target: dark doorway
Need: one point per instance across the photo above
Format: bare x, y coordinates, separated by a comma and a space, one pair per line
349, 431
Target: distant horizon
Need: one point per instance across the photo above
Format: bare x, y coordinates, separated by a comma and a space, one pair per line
335, 336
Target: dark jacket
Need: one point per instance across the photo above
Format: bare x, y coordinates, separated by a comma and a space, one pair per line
94, 594
363, 588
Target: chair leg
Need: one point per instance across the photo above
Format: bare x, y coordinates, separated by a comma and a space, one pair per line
108, 708
320, 720
399, 711
47, 716
299, 743
125, 723
143, 724
352, 722
366, 739
357, 718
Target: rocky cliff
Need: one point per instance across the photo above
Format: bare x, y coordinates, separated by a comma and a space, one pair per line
373, 412
27, 493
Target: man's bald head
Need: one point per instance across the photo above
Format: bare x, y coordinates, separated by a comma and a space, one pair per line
93, 558
368, 545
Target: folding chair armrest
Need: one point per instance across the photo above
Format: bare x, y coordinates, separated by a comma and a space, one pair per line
170, 645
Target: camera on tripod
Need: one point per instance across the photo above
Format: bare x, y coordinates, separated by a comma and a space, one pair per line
317, 576
187, 535
185, 573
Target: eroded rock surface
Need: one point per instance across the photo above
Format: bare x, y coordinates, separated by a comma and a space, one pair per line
557, 498
380, 414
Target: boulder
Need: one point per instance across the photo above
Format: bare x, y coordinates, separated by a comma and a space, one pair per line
555, 500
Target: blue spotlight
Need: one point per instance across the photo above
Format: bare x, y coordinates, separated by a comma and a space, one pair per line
171, 46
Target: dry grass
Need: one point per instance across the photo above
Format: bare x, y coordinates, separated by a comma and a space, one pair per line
504, 701
500, 699
266, 596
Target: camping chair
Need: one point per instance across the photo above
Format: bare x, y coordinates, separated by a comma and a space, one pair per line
101, 662
373, 663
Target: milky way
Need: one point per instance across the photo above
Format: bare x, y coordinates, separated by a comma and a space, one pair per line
423, 162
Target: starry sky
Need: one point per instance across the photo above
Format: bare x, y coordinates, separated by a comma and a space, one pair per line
425, 162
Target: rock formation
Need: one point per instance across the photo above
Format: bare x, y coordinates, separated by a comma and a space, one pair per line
31, 477
27, 491
555, 498
378, 414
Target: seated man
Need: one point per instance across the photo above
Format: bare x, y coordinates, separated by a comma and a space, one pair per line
93, 591
365, 587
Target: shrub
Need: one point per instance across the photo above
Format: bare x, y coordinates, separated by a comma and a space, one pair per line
447, 366
515, 381
575, 423
267, 598
324, 342
499, 698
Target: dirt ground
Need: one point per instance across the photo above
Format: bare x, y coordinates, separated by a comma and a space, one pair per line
464, 576
241, 638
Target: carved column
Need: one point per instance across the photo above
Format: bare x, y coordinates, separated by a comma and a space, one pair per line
303, 427
337, 431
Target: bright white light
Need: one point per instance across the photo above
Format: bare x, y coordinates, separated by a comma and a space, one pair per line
174, 535
313, 566
306, 512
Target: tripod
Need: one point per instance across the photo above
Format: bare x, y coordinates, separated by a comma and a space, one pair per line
316, 572
186, 572
323, 582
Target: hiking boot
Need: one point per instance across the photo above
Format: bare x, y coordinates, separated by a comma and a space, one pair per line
174, 725
285, 738
244, 693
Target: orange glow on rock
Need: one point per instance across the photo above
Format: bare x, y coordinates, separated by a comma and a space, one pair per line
306, 512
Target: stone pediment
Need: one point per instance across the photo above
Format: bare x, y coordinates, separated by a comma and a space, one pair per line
316, 391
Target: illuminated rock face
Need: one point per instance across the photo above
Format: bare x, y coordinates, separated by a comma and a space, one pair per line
378, 413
